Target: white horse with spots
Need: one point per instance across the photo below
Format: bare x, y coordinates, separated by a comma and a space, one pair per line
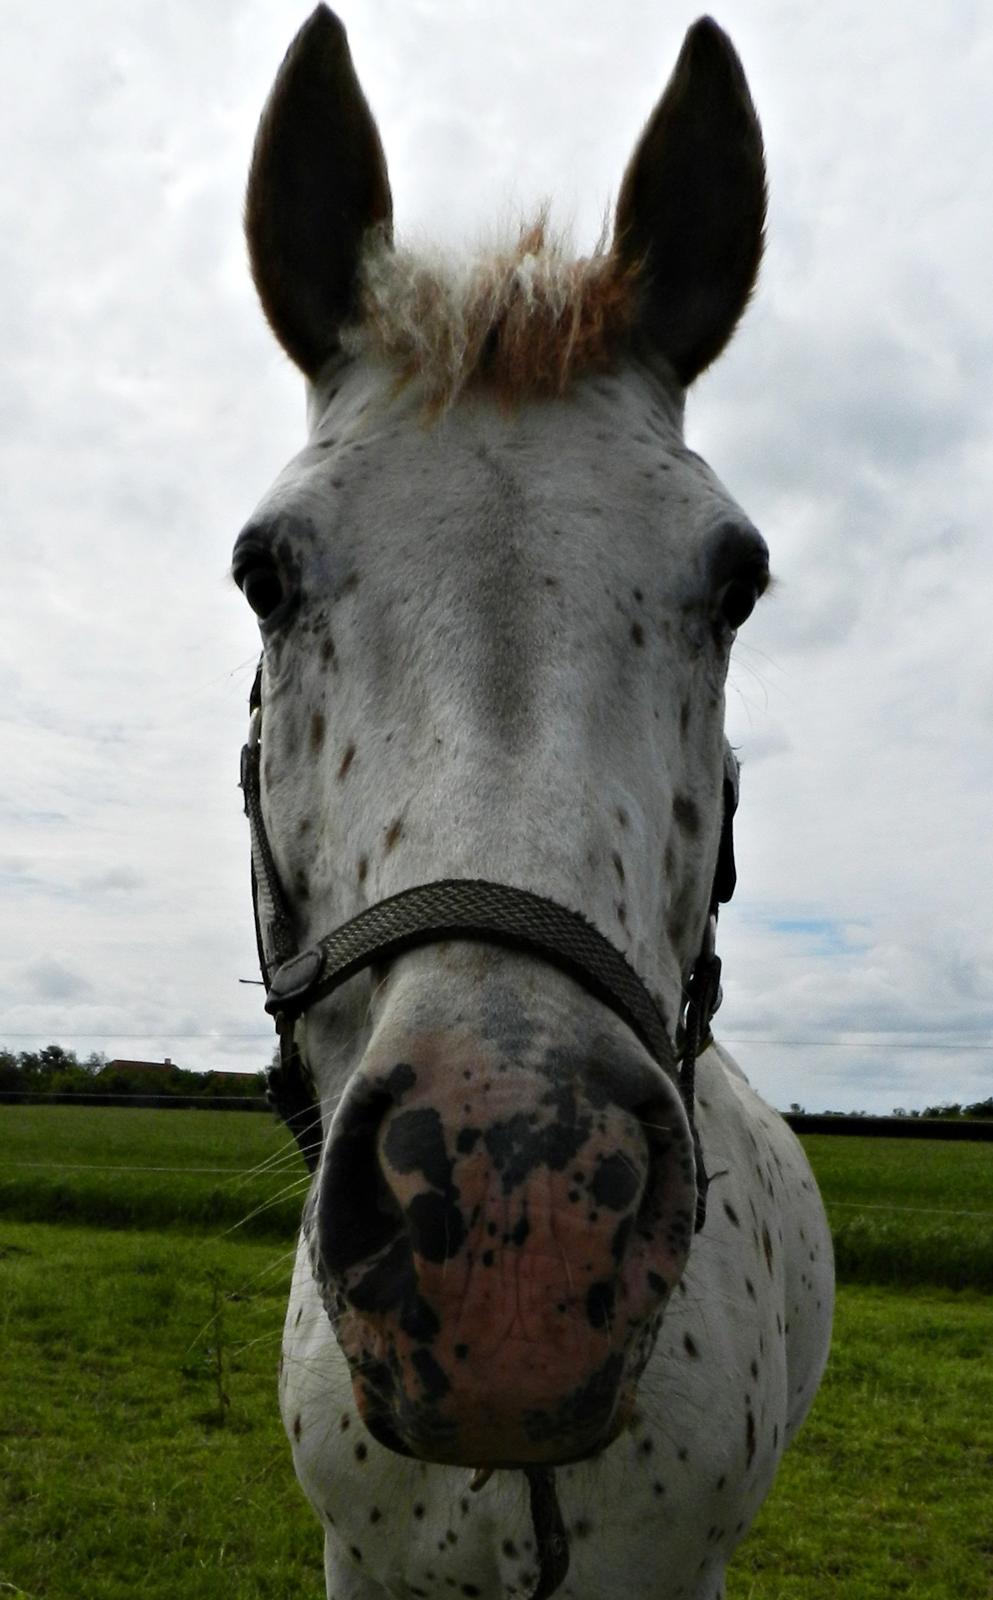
497, 596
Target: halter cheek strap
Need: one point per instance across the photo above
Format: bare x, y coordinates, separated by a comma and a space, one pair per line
463, 908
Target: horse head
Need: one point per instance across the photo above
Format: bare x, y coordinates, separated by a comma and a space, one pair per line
497, 596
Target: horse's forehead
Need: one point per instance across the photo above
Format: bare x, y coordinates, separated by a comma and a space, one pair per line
609, 452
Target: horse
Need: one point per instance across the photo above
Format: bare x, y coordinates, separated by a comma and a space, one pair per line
563, 1288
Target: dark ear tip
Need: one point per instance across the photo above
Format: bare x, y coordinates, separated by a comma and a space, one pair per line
322, 32
708, 48
323, 18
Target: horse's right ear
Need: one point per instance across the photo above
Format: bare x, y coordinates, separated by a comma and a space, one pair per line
317, 184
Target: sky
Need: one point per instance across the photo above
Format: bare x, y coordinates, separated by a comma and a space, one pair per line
145, 409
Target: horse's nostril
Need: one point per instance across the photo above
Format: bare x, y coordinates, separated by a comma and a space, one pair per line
358, 1213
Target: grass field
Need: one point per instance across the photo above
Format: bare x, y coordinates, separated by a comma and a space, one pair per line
116, 1167
140, 1446
902, 1210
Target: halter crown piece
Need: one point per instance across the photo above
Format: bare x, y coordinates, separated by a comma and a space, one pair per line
465, 908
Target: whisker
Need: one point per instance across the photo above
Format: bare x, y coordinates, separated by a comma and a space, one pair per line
298, 1186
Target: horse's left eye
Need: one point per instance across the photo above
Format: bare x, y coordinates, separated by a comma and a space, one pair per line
262, 587
737, 600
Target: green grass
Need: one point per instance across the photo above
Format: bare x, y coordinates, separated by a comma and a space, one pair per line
908, 1211
123, 1472
902, 1210
119, 1167
141, 1451
887, 1491
140, 1445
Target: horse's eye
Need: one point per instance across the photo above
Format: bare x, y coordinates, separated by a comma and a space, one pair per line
737, 601
262, 587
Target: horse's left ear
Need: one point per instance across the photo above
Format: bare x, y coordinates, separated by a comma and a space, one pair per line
317, 184
691, 211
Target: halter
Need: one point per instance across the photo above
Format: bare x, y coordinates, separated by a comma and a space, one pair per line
465, 908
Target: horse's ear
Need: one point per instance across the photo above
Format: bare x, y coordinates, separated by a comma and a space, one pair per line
691, 211
317, 184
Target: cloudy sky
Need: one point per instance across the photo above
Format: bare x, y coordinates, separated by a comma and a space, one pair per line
145, 409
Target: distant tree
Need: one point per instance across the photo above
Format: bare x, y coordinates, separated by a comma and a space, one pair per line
979, 1108
10, 1070
53, 1059
797, 1109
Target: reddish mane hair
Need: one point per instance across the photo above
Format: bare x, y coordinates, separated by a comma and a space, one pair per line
521, 320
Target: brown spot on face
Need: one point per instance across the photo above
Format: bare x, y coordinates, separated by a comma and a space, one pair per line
316, 732
749, 1436
301, 885
684, 717
618, 865
638, 595
731, 1214
622, 913
363, 868
637, 634
297, 1426
689, 1345
670, 861
393, 833
622, 816
687, 814
767, 1246
327, 650
346, 761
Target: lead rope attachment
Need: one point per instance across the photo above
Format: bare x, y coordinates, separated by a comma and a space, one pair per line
550, 1538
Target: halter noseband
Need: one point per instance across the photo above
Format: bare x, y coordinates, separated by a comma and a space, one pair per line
465, 908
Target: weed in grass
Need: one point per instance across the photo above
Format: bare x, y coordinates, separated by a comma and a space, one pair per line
112, 1481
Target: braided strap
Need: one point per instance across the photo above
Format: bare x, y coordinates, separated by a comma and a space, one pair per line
473, 908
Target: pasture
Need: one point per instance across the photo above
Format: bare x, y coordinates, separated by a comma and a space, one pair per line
141, 1446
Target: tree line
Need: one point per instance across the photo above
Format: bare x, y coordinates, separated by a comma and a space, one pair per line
55, 1070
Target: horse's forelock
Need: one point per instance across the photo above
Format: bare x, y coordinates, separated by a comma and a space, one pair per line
525, 319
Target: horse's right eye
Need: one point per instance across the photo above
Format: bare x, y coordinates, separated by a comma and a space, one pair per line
262, 587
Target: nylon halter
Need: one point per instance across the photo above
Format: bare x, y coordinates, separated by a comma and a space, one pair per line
465, 908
